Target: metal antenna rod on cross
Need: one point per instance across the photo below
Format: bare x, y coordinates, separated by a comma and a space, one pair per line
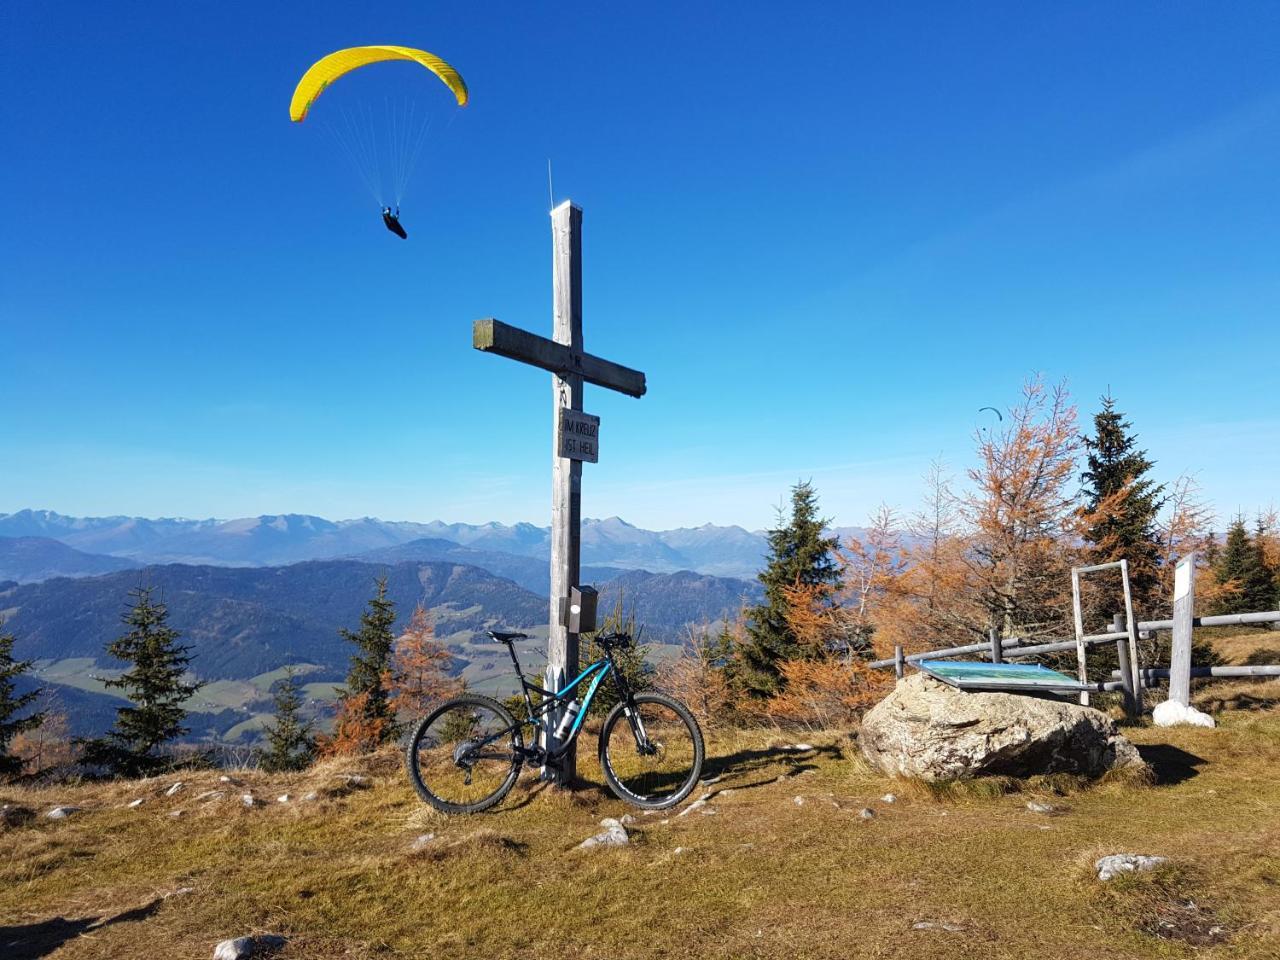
576, 438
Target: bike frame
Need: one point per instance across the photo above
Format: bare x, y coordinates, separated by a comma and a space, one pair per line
552, 700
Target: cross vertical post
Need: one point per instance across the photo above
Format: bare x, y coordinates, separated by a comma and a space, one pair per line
566, 475
575, 439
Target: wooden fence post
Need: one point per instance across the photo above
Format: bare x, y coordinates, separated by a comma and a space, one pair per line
997, 651
1126, 668
1184, 604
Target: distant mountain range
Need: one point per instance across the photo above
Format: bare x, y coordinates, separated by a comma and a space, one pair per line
292, 538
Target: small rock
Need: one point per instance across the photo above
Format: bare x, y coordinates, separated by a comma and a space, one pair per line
357, 782
678, 850
283, 798
1037, 807
243, 947
310, 797
249, 800
931, 925
609, 823
798, 801
627, 820
799, 747
61, 813
231, 780
133, 804
866, 813
613, 837
175, 789
421, 841
175, 814
1111, 867
888, 798
696, 805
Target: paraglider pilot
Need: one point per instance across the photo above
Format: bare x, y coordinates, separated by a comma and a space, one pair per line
392, 220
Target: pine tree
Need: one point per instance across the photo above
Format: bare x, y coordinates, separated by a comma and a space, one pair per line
1258, 592
1122, 504
291, 745
1241, 568
155, 683
11, 702
368, 679
799, 557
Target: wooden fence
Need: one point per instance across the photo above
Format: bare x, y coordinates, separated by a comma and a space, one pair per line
1178, 673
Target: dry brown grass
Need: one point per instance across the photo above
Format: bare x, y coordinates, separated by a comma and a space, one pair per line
763, 877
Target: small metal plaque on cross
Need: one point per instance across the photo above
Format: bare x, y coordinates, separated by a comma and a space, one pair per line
579, 436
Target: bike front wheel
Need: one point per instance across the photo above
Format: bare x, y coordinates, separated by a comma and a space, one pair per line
653, 757
465, 755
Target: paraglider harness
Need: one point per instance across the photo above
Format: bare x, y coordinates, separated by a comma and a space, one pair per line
392, 220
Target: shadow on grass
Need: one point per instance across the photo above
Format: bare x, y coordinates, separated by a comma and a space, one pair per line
31, 941
746, 762
1170, 764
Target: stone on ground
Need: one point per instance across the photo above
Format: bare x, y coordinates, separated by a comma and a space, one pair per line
242, 948
1171, 713
176, 788
61, 813
928, 730
1111, 867
615, 836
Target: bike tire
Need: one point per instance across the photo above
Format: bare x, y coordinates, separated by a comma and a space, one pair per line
691, 778
415, 741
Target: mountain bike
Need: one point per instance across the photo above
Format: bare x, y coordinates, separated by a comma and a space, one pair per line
466, 755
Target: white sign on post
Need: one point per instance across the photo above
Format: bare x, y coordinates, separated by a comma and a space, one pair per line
579, 436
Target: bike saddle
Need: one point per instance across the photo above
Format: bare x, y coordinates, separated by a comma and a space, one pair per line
507, 637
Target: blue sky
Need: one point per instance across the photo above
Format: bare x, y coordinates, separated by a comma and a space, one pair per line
828, 234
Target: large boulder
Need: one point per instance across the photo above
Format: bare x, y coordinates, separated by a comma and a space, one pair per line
928, 730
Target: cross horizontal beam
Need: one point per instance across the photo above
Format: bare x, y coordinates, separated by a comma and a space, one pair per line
494, 336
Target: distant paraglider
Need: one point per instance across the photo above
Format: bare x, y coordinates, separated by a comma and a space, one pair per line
384, 158
993, 410
392, 220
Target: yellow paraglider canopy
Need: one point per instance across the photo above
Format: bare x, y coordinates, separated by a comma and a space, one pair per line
328, 69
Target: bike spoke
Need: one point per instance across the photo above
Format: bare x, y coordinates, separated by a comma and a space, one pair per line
464, 754
662, 767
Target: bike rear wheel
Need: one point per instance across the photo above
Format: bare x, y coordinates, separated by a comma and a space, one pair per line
661, 772
465, 755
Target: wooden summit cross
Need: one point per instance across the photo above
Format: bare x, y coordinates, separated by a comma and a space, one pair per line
575, 437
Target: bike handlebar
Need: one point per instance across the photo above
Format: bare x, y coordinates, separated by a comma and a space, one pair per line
615, 639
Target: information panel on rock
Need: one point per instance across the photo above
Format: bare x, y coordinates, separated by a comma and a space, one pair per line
579, 436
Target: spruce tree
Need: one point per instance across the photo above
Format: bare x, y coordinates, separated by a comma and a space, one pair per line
1259, 589
155, 683
290, 745
1241, 562
1120, 524
11, 702
799, 555
371, 664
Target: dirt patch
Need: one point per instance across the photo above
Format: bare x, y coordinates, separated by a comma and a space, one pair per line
1184, 922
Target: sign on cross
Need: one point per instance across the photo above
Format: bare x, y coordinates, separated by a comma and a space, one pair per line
570, 366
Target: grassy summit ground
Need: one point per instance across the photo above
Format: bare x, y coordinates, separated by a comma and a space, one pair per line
763, 876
